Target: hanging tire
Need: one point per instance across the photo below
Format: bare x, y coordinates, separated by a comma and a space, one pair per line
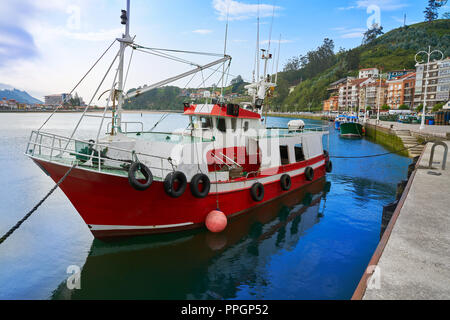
257, 192
198, 180
285, 182
175, 184
309, 173
136, 183
329, 166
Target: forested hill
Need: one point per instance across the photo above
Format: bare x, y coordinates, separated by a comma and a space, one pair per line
311, 74
172, 98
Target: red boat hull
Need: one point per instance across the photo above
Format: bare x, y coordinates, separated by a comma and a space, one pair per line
111, 207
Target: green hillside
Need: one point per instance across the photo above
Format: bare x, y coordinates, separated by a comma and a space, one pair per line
394, 50
172, 98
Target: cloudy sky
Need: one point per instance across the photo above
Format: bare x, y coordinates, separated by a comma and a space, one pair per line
47, 45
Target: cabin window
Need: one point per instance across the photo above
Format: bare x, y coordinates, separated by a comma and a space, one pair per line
245, 126
284, 155
221, 125
233, 124
206, 122
299, 155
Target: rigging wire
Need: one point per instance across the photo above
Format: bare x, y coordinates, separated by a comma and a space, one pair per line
128, 68
169, 57
92, 99
180, 51
76, 86
19, 223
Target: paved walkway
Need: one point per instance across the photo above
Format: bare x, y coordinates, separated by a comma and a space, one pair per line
438, 131
415, 263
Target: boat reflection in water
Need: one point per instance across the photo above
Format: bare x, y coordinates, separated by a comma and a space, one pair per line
198, 264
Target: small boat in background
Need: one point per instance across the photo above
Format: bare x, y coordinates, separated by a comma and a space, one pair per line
351, 127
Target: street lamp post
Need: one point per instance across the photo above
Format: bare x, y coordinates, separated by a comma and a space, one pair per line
428, 54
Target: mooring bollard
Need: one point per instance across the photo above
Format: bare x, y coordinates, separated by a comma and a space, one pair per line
438, 143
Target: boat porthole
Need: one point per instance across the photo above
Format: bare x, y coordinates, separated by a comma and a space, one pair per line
285, 182
145, 171
309, 173
257, 192
200, 185
175, 184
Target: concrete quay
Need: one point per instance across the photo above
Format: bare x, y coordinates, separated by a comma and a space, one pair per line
412, 260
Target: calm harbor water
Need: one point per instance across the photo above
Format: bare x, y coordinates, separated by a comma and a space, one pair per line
312, 244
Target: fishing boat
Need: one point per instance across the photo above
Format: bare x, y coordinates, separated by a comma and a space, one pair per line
338, 120
351, 127
132, 181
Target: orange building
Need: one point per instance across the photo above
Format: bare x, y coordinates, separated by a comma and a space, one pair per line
331, 104
401, 91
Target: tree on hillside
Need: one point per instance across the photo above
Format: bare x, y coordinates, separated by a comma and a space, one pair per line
431, 11
293, 64
372, 33
236, 80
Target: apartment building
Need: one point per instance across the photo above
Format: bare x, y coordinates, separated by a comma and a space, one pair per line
391, 75
401, 91
57, 99
344, 93
355, 91
372, 94
368, 73
331, 104
436, 77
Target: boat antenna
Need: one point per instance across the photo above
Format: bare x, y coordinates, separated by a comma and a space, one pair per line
124, 42
271, 27
257, 46
224, 54
278, 58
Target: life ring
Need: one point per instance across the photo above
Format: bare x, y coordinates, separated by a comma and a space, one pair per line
196, 181
175, 184
285, 182
329, 166
134, 182
257, 192
309, 173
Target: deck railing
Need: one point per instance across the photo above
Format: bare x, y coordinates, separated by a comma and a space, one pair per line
92, 156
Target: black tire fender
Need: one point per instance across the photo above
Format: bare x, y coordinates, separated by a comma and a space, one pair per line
196, 181
329, 166
134, 182
309, 173
257, 192
169, 184
285, 182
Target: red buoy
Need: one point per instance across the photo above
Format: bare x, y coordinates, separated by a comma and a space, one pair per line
216, 221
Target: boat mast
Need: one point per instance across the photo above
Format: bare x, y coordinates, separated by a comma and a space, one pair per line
124, 42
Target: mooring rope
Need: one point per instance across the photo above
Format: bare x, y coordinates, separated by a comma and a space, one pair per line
377, 155
18, 224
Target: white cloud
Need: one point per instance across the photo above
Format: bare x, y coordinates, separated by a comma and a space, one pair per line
202, 31
236, 10
349, 33
384, 5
